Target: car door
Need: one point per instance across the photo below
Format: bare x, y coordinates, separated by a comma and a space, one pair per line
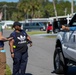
71, 46
65, 41
33, 25
25, 26
37, 25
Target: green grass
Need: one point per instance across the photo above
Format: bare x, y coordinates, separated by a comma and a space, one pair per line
8, 70
36, 32
40, 32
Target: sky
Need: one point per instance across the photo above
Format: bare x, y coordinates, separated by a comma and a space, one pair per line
9, 0
65, 0
18, 0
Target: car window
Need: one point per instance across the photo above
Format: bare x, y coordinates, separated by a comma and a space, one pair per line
26, 24
33, 24
1, 23
41, 24
37, 24
74, 23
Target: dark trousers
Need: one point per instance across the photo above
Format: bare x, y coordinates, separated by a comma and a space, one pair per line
20, 63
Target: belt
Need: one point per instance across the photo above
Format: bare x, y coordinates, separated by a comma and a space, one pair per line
3, 51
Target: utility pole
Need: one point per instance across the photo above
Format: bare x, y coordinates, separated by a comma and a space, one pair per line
5, 6
65, 11
72, 8
55, 9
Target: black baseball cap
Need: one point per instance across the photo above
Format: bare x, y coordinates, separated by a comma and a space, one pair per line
16, 24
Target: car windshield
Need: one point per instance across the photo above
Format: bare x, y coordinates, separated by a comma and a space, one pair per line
73, 21
41, 24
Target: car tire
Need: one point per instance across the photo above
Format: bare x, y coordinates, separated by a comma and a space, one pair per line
41, 29
60, 64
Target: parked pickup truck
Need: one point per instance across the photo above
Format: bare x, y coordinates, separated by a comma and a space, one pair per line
65, 49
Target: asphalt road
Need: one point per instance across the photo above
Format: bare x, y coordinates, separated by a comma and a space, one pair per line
40, 61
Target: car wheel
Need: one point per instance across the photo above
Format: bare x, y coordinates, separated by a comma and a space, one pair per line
60, 64
41, 29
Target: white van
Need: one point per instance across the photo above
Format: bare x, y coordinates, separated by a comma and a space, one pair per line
6, 24
2, 24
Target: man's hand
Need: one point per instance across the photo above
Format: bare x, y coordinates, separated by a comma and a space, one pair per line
63, 27
30, 44
12, 55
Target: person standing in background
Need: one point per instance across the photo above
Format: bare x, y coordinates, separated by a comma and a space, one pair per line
49, 27
55, 26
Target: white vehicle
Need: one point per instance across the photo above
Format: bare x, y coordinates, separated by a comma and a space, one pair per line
65, 49
6, 24
2, 24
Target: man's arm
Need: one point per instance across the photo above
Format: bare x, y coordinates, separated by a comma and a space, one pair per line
65, 28
11, 48
11, 45
28, 38
2, 37
68, 28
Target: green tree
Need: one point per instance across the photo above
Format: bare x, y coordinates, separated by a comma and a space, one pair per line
30, 7
35, 9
